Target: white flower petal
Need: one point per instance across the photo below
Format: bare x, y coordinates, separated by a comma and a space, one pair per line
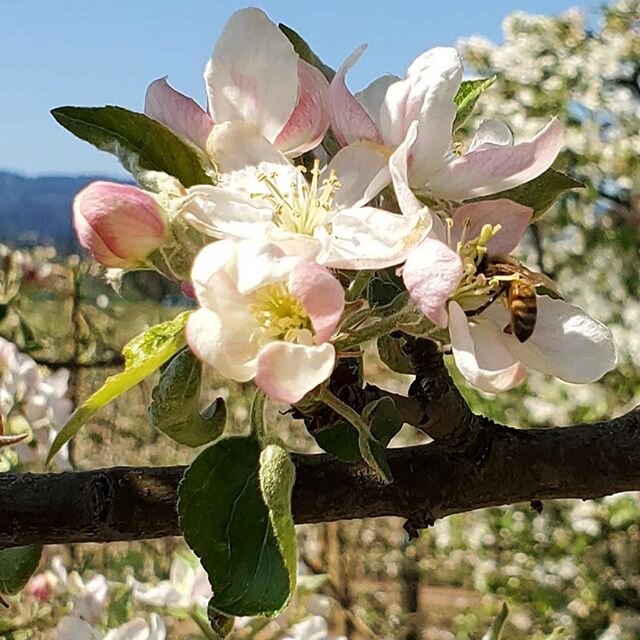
236, 146
362, 171
226, 347
399, 170
372, 96
74, 628
481, 355
491, 133
261, 263
426, 95
369, 238
567, 343
253, 74
287, 371
222, 213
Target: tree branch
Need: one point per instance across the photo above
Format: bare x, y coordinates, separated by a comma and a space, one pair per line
431, 481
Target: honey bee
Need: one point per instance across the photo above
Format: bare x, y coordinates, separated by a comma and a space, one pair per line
521, 292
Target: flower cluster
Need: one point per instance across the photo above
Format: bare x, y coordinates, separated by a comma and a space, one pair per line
316, 189
33, 406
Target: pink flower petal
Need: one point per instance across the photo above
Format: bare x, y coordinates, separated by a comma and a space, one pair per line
119, 224
490, 170
512, 217
253, 74
321, 295
287, 371
431, 274
349, 119
183, 115
481, 355
310, 119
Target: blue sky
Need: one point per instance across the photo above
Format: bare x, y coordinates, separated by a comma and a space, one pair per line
80, 52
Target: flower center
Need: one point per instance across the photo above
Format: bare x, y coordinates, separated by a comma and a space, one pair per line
281, 315
307, 203
475, 287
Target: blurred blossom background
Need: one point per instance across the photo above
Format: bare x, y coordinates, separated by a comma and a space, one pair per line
571, 570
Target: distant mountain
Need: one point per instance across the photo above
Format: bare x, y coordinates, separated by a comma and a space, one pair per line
38, 210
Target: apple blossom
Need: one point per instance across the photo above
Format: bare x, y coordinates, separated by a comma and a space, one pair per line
383, 113
262, 195
42, 586
34, 405
74, 628
265, 315
187, 586
91, 596
254, 76
120, 225
313, 628
445, 278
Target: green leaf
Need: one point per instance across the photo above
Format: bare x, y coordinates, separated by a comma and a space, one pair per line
541, 193
467, 96
305, 52
139, 142
235, 513
143, 355
174, 408
17, 565
344, 442
495, 630
390, 352
384, 287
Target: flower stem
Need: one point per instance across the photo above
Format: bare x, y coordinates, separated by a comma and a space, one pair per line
382, 327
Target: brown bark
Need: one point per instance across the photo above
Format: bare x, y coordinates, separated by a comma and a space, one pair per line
430, 481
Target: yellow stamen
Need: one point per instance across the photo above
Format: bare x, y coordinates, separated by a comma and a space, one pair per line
306, 205
280, 315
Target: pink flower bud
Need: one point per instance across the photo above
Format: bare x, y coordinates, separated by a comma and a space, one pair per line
120, 225
41, 587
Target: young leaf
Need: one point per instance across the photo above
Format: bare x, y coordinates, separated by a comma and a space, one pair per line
540, 193
305, 52
235, 512
139, 142
17, 565
467, 96
344, 442
174, 408
383, 288
391, 354
143, 355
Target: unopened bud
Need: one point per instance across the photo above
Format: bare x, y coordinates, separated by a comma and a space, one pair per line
42, 586
120, 225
